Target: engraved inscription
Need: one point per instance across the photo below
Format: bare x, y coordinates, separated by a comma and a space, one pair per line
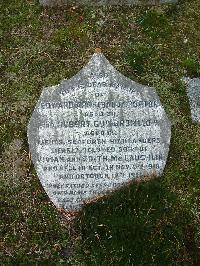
95, 133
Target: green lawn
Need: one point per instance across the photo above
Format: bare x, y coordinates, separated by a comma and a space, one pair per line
152, 223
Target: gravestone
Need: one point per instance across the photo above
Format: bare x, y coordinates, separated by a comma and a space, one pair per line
193, 92
95, 132
105, 2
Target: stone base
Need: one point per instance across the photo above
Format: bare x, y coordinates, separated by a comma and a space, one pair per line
104, 2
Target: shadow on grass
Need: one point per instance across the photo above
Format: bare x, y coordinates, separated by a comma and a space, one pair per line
141, 224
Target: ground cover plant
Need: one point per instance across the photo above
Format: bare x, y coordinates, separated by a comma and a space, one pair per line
152, 223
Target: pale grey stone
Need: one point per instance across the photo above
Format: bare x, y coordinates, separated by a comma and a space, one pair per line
193, 92
95, 132
105, 2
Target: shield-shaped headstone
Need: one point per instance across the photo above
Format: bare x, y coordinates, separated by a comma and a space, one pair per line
95, 132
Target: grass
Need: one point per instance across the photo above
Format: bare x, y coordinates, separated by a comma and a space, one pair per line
152, 223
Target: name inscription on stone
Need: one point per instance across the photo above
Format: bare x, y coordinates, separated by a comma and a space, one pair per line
95, 132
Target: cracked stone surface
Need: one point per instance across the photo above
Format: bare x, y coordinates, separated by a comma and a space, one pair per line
95, 132
105, 2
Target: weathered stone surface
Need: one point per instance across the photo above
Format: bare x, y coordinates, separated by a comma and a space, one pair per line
105, 2
95, 132
193, 92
